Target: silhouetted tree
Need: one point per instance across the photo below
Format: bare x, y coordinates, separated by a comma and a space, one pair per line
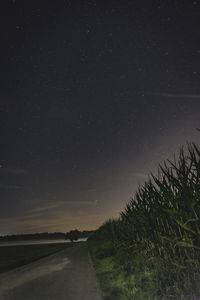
73, 235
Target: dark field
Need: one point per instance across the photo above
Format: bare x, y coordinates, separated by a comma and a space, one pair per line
16, 256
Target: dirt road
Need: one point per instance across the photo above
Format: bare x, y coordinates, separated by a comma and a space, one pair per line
66, 275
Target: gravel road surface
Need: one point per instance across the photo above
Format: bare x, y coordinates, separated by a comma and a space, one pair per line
66, 275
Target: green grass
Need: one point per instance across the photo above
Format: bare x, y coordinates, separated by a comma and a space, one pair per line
152, 251
106, 268
16, 256
141, 283
114, 282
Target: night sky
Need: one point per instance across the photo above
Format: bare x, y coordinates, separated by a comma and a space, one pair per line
94, 95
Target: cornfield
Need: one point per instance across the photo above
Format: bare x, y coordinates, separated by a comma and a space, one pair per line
162, 223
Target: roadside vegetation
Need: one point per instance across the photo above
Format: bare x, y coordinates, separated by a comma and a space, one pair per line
16, 256
152, 251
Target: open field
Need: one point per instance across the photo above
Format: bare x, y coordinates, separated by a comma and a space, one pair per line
16, 256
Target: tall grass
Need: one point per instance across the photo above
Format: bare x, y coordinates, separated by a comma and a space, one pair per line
157, 236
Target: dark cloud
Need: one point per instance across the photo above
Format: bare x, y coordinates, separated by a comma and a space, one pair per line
11, 187
168, 95
15, 171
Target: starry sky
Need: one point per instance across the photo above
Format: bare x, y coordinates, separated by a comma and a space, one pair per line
94, 95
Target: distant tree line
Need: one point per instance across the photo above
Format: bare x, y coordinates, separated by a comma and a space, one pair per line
74, 234
33, 236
